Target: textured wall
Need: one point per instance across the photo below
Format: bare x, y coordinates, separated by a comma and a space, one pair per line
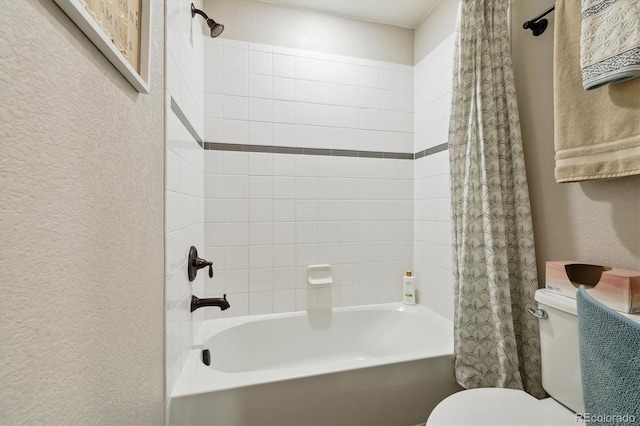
81, 253
266, 23
594, 222
437, 26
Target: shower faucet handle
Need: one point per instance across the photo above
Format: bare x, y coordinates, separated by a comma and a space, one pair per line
195, 263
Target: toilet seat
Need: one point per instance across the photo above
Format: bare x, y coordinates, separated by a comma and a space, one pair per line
493, 406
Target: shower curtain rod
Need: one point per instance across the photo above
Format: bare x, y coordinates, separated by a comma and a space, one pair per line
537, 25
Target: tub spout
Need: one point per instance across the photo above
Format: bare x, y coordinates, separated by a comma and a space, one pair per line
221, 303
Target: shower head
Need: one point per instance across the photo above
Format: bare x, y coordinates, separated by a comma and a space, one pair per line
216, 28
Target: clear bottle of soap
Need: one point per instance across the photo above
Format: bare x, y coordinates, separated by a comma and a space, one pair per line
408, 289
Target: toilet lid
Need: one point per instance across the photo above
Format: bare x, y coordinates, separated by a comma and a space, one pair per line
492, 406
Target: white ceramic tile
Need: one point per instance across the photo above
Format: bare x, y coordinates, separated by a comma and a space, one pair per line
240, 305
260, 86
213, 105
213, 186
213, 130
260, 233
260, 210
388, 120
306, 68
284, 301
306, 210
212, 80
348, 74
236, 163
367, 97
236, 258
260, 256
213, 234
306, 113
260, 187
235, 234
284, 256
261, 163
236, 186
235, 83
284, 233
328, 93
388, 79
235, 131
260, 63
284, 66
284, 112
284, 210
368, 119
405, 81
283, 135
260, 133
213, 56
348, 95
261, 302
214, 210
236, 210
284, 187
284, 89
328, 71
349, 117
284, 278
235, 108
307, 254
236, 281
260, 109
306, 91
235, 59
388, 100
368, 76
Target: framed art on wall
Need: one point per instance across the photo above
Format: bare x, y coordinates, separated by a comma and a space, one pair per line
120, 30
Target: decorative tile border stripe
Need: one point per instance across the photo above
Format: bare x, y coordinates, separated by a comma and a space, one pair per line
432, 150
216, 146
185, 122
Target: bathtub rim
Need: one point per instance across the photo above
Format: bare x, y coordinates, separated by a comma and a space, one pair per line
197, 378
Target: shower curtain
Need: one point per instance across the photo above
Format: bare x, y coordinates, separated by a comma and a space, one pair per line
496, 340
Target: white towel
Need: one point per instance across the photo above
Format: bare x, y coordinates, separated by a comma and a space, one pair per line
609, 42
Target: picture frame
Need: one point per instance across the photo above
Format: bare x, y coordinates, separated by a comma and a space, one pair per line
78, 11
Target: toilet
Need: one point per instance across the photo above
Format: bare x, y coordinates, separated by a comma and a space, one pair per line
560, 378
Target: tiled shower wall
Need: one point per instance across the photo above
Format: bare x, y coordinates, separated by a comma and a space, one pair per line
183, 186
270, 214
432, 212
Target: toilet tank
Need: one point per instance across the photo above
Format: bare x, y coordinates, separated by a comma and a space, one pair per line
560, 356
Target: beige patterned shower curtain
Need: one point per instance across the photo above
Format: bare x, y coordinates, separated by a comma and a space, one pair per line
496, 340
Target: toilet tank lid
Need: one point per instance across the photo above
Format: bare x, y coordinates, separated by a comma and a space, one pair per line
552, 300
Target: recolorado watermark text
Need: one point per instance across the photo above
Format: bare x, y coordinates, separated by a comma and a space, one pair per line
605, 418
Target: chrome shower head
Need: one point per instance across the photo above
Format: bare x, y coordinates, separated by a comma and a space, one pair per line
216, 28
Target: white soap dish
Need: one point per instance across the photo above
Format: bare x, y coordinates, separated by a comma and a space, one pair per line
319, 274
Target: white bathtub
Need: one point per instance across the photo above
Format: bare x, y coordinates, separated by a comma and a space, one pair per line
368, 365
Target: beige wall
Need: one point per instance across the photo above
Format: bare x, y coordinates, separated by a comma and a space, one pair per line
258, 22
81, 235
439, 24
595, 222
